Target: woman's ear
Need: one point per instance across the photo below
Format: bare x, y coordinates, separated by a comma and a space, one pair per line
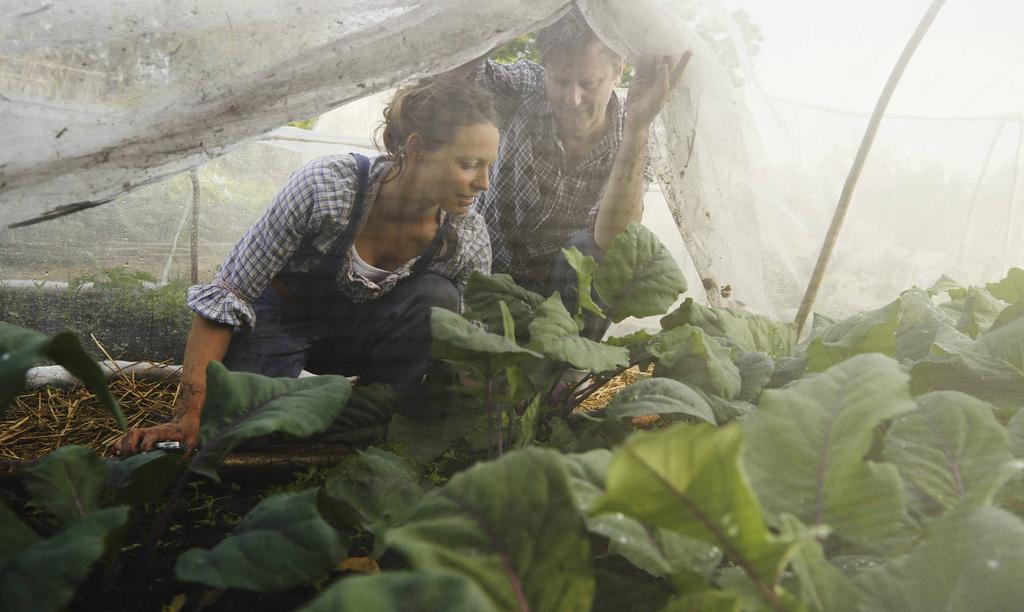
413, 146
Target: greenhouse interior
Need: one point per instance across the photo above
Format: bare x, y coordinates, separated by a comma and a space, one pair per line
651, 305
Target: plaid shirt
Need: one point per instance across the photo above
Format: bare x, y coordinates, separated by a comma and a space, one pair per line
297, 231
535, 202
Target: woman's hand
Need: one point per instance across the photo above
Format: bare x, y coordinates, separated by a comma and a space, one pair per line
654, 78
206, 340
184, 430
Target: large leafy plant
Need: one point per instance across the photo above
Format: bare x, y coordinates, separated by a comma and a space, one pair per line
875, 465
518, 346
283, 542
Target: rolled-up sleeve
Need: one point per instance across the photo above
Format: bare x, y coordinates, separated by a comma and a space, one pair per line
262, 252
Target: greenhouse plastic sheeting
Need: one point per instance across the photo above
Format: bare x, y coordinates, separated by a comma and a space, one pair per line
751, 151
100, 97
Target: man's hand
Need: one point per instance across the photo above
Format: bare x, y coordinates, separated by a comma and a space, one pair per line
654, 78
185, 430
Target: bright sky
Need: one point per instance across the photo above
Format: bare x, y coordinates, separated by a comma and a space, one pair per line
839, 53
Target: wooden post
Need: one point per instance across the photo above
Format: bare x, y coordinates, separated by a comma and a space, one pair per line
194, 175
858, 163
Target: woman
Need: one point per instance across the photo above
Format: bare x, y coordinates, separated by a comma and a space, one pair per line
340, 272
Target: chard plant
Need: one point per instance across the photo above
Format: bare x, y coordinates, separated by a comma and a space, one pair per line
875, 465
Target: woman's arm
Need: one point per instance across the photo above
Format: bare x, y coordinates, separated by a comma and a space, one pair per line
207, 341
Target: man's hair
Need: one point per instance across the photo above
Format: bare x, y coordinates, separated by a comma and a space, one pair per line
569, 37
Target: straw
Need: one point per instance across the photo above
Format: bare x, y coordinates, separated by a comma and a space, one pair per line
38, 422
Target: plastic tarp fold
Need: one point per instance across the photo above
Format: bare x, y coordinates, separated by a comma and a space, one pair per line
130, 92
99, 97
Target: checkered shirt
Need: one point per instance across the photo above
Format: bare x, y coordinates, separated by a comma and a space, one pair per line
535, 202
297, 231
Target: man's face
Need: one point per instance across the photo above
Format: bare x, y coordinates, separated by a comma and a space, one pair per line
578, 89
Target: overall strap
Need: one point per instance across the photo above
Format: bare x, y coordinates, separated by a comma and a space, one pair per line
432, 248
341, 246
301, 287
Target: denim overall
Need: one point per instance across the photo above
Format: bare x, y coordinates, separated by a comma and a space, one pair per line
304, 321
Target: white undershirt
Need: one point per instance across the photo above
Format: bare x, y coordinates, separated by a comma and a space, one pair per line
367, 271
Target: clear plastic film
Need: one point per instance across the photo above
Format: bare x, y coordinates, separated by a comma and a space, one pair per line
751, 151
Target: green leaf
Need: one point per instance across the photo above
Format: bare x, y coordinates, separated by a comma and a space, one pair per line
638, 343
585, 265
687, 355
456, 339
511, 526
587, 433
526, 425
727, 410
67, 482
1006, 343
484, 293
921, 325
747, 331
950, 449
240, 406
1008, 315
820, 322
366, 415
867, 332
637, 276
756, 370
283, 542
21, 349
553, 332
373, 488
423, 439
45, 575
806, 446
945, 284
690, 479
141, 479
706, 601
623, 587
17, 535
1015, 429
1011, 288
823, 586
402, 591
987, 378
657, 551
787, 370
967, 562
659, 396
980, 310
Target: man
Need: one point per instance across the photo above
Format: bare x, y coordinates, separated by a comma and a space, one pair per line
571, 164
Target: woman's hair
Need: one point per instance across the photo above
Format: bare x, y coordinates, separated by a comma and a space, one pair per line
433, 109
566, 38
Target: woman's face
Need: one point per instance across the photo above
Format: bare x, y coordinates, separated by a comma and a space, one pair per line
452, 175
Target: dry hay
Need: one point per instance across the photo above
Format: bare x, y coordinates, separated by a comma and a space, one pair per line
600, 398
40, 421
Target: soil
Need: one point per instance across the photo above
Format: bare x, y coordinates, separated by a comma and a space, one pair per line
206, 514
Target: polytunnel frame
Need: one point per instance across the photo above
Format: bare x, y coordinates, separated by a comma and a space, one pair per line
832, 235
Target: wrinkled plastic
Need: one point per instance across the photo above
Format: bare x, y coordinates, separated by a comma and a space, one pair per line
114, 100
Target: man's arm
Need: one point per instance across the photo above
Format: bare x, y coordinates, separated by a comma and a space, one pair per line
622, 200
